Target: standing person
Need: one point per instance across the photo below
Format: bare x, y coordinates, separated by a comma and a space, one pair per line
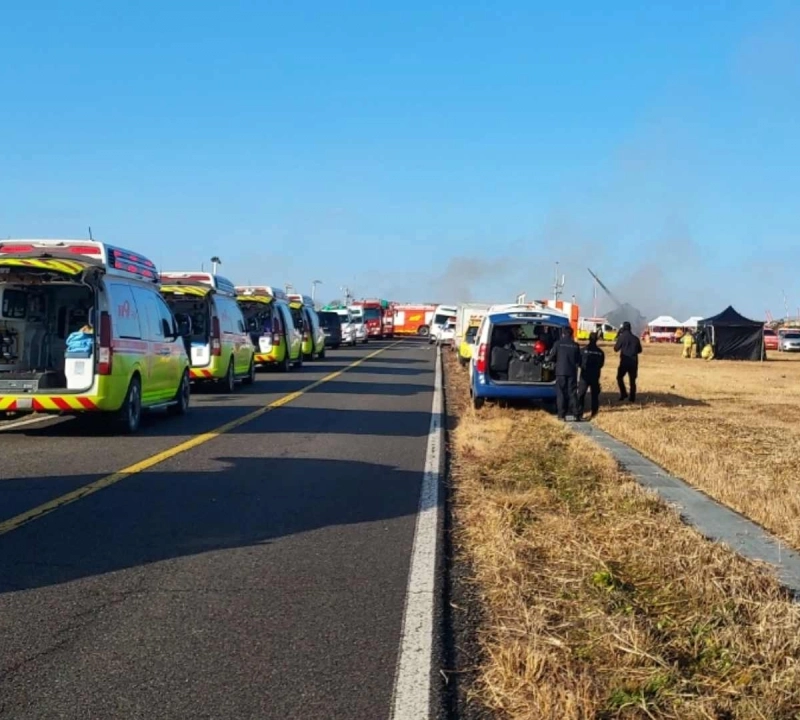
566, 354
592, 361
629, 348
688, 344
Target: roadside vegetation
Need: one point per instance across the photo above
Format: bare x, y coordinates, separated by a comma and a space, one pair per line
595, 600
731, 429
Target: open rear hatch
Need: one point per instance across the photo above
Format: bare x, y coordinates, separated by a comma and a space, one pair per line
190, 302
47, 313
518, 353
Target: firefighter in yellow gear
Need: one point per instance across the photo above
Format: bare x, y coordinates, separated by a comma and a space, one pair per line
708, 353
688, 345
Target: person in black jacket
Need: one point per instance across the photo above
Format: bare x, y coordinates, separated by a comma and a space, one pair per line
629, 348
566, 354
592, 361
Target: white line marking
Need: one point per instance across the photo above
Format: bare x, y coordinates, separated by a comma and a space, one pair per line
29, 421
412, 683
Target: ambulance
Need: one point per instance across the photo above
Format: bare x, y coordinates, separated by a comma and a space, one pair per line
83, 329
468, 321
307, 320
443, 316
588, 325
222, 352
270, 322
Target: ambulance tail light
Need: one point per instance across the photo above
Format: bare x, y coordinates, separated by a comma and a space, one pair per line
276, 330
216, 339
480, 363
105, 351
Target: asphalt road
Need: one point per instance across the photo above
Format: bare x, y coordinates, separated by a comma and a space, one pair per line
261, 574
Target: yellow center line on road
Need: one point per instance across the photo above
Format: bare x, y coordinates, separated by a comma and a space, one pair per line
89, 489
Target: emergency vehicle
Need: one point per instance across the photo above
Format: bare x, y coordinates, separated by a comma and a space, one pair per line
306, 318
468, 320
268, 319
443, 316
413, 319
588, 325
221, 349
378, 317
83, 329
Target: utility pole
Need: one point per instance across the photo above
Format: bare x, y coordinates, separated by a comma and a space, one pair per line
214, 262
314, 289
288, 288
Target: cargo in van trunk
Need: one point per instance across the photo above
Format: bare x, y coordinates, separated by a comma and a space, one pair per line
38, 316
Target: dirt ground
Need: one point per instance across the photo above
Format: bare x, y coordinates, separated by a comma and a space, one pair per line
728, 428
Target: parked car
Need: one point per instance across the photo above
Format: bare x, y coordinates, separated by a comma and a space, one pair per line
789, 341
770, 339
332, 327
511, 358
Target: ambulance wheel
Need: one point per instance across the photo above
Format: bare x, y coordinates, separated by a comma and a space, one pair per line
284, 365
299, 364
130, 414
181, 405
321, 355
250, 378
228, 385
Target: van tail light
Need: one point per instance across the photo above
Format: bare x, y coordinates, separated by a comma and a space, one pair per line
105, 351
216, 339
276, 331
480, 363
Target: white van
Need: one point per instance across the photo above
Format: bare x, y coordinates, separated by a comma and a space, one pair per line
441, 317
348, 326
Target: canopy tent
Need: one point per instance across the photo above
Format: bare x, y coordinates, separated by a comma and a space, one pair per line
734, 337
693, 321
664, 321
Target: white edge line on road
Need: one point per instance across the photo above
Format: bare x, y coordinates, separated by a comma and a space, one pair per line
412, 683
29, 421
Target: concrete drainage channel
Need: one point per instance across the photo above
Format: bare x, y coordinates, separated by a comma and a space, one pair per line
713, 520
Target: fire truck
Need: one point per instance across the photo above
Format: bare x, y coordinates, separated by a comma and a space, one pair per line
413, 319
378, 317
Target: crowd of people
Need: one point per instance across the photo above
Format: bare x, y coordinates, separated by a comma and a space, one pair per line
578, 371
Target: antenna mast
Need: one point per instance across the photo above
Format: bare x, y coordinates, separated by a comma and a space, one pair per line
558, 285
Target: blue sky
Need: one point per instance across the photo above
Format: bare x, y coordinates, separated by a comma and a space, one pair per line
451, 152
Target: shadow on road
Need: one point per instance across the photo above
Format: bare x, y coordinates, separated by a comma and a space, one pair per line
159, 516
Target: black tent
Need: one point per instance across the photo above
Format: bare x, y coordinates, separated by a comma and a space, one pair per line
733, 336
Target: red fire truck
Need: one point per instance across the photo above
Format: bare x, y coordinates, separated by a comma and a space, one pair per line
378, 317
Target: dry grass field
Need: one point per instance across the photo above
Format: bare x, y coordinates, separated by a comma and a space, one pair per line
597, 602
729, 428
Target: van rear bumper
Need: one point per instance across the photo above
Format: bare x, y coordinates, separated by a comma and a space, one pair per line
104, 396
215, 370
512, 391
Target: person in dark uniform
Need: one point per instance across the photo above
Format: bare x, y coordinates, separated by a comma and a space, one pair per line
592, 361
566, 354
629, 348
